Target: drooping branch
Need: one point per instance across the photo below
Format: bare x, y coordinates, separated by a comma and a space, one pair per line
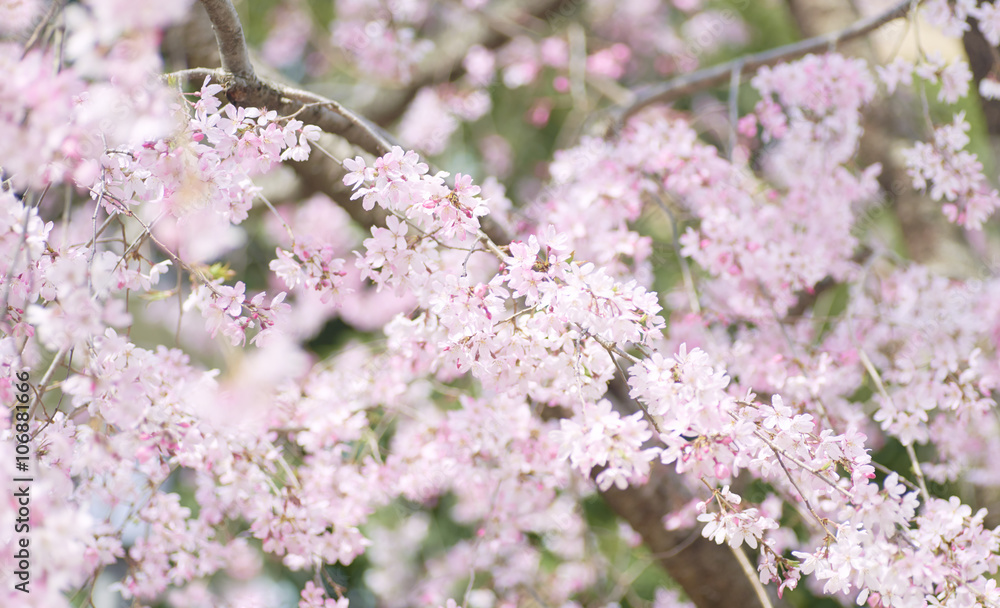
721, 74
245, 88
887, 124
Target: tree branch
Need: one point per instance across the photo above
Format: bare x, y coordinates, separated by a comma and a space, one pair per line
709, 573
683, 86
229, 35
244, 88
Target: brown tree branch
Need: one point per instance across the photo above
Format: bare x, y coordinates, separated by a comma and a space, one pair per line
709, 573
244, 88
688, 84
229, 36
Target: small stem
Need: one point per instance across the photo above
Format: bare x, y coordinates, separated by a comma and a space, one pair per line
885, 395
611, 347
918, 472
42, 385
192, 73
685, 268
734, 113
800, 464
274, 211
805, 500
752, 575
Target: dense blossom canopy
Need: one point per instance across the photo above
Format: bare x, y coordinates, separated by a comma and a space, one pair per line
277, 356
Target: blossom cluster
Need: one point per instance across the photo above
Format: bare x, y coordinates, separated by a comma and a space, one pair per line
459, 448
204, 171
953, 175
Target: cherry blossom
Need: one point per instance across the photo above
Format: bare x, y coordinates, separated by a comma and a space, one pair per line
676, 295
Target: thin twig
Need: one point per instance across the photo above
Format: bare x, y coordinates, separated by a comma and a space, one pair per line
274, 211
641, 405
805, 500
36, 35
801, 464
611, 347
685, 268
885, 395
884, 469
918, 472
678, 548
42, 385
192, 73
734, 113
752, 576
4, 301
